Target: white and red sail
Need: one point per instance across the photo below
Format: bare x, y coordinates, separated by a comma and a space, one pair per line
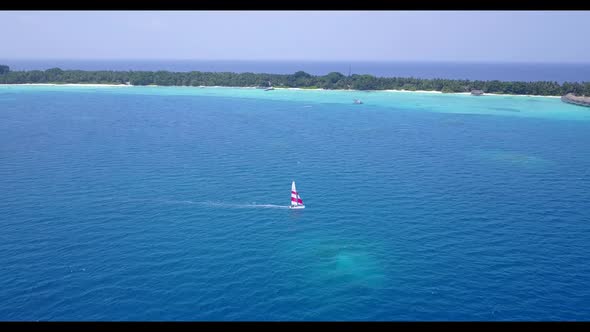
295, 198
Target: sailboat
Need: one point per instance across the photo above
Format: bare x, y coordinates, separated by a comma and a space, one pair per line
296, 202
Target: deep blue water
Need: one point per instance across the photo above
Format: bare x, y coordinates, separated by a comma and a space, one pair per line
143, 205
449, 70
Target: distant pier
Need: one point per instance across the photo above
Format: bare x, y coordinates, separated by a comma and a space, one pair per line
572, 99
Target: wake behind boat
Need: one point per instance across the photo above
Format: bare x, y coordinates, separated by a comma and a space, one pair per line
296, 202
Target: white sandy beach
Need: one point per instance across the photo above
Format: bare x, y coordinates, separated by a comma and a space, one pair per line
276, 88
70, 84
468, 93
423, 91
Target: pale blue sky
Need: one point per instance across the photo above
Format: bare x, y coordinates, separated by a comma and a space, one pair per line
489, 36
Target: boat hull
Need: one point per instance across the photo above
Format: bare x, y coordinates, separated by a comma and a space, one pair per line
299, 207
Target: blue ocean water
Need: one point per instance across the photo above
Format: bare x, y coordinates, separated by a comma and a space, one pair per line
559, 72
152, 203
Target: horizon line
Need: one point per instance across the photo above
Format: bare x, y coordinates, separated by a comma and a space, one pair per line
303, 60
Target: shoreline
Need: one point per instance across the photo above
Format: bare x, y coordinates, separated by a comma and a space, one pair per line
68, 84
276, 88
469, 93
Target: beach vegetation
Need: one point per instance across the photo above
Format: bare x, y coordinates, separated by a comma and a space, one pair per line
299, 79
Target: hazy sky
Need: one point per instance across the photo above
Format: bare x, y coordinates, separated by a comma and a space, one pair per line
536, 36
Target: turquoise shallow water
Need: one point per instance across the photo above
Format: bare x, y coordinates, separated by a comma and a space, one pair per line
153, 203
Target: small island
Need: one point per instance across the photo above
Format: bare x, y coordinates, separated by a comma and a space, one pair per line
300, 79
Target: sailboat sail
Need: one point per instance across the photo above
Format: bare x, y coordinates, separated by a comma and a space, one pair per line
295, 198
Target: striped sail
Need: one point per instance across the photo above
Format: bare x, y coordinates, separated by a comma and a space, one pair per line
295, 199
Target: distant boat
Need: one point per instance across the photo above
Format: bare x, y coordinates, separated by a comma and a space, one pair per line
357, 101
296, 202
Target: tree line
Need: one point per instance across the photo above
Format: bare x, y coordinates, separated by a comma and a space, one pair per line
299, 79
